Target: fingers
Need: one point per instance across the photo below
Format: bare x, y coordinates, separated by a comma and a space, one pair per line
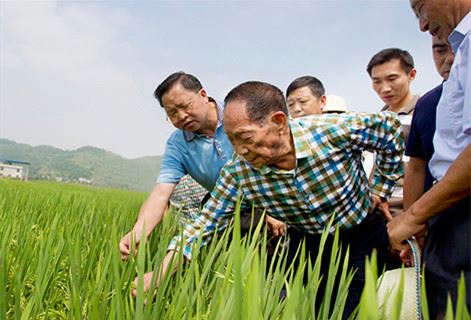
276, 227
421, 241
396, 247
386, 214
405, 256
125, 246
283, 229
147, 283
375, 201
124, 250
382, 206
134, 287
276, 231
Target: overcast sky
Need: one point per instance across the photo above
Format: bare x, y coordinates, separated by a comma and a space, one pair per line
76, 73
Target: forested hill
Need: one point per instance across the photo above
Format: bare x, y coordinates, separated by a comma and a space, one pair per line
87, 164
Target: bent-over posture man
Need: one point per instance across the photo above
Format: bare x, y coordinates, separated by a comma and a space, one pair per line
303, 172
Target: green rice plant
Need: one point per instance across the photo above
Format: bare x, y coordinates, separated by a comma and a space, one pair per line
461, 312
59, 259
54, 239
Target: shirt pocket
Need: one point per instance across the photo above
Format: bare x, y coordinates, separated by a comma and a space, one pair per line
450, 111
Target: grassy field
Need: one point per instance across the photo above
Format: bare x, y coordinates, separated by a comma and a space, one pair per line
59, 259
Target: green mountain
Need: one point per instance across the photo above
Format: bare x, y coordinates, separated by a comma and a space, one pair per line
100, 167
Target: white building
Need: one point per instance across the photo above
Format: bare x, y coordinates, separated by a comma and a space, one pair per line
14, 169
84, 180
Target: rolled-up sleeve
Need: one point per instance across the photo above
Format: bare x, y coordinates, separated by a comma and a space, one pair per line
171, 167
214, 217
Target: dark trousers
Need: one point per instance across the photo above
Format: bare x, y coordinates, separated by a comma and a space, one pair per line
362, 239
447, 255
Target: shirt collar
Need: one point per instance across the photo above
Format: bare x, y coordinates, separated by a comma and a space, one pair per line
301, 134
407, 108
191, 135
302, 137
457, 36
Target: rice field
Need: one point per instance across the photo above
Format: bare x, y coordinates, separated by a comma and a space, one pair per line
59, 259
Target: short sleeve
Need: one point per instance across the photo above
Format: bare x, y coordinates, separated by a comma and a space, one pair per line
171, 167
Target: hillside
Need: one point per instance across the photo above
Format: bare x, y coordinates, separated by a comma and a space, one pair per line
102, 167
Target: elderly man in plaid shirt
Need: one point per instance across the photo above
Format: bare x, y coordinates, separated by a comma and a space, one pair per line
304, 171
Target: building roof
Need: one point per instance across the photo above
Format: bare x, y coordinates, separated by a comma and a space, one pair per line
8, 161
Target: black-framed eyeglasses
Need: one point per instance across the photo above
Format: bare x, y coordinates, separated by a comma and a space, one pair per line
173, 114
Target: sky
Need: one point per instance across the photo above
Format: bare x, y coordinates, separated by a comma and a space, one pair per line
78, 73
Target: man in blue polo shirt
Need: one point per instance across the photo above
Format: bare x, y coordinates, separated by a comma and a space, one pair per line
199, 148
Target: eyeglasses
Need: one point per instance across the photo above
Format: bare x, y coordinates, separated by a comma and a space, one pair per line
174, 113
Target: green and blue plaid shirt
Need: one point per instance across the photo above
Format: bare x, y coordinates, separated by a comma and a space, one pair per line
328, 179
